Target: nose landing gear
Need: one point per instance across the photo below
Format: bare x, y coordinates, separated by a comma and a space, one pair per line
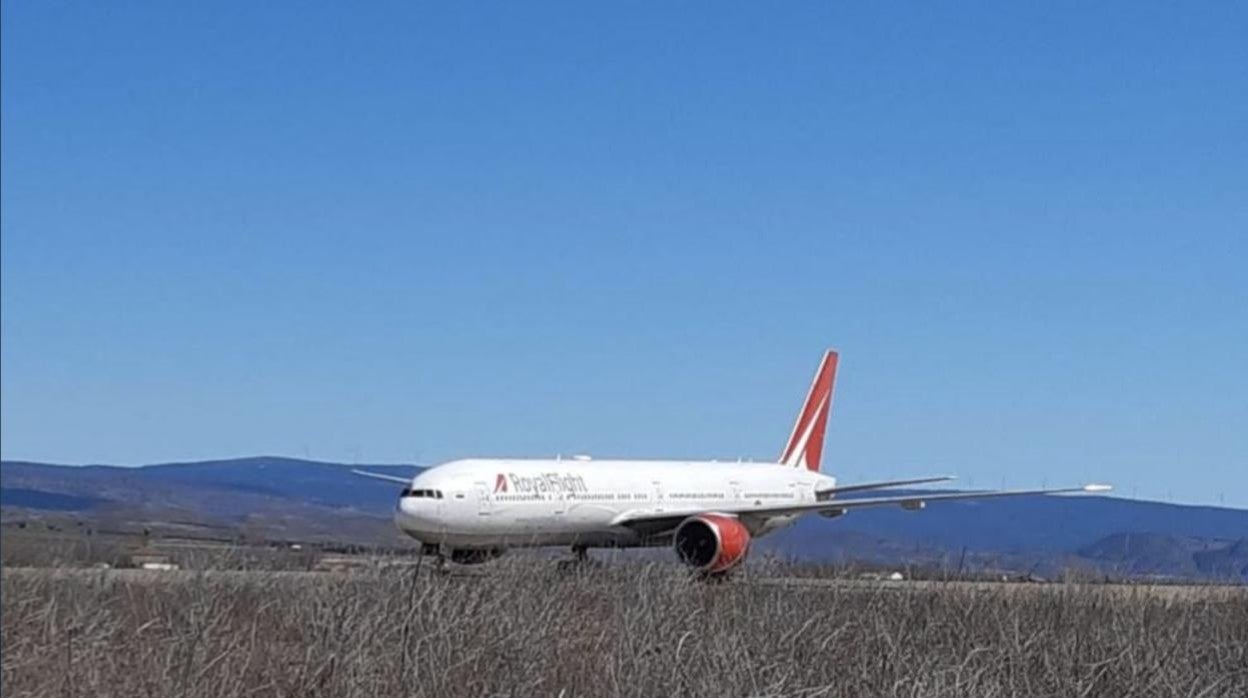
439, 557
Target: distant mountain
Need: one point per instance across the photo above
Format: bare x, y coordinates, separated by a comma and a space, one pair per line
1229, 562
300, 498
50, 501
1145, 553
224, 488
1119, 537
1053, 524
1135, 554
270, 497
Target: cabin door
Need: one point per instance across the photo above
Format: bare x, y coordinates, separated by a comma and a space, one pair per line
484, 504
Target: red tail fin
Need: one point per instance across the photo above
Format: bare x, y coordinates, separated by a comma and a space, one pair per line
805, 447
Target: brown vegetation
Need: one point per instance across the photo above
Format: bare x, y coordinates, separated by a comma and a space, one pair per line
521, 627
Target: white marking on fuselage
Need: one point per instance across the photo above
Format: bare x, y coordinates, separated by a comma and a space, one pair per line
798, 459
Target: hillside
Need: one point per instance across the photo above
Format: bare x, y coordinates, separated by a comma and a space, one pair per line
271, 497
298, 499
225, 488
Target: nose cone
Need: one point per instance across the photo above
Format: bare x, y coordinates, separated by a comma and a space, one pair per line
417, 511
405, 515
409, 509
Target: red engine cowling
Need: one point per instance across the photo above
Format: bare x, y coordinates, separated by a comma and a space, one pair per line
711, 543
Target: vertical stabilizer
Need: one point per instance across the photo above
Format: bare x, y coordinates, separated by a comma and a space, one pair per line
805, 446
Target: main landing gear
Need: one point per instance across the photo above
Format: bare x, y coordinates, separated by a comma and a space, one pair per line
580, 559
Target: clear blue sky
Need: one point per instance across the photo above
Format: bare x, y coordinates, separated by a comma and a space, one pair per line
412, 232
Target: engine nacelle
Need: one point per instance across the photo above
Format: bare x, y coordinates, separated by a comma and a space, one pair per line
474, 556
711, 543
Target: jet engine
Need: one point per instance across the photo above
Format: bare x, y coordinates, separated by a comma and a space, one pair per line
711, 543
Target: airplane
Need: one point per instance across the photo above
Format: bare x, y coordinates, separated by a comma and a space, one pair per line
474, 510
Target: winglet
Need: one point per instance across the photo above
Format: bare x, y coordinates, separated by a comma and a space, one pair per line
805, 446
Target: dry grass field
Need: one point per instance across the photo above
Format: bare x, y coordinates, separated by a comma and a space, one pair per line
522, 627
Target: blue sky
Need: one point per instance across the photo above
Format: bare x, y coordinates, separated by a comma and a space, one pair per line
413, 232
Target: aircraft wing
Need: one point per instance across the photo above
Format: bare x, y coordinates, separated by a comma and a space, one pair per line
383, 476
654, 523
881, 485
909, 501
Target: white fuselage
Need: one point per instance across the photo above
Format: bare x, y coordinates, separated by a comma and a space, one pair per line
502, 503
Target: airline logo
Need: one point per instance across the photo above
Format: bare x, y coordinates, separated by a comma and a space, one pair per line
555, 483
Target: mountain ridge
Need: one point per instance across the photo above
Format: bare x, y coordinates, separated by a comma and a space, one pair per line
293, 497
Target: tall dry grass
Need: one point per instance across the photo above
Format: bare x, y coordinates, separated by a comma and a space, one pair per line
524, 628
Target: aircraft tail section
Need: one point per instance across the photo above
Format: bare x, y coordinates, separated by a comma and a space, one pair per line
805, 446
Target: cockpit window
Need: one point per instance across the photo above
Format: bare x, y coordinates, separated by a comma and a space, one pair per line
431, 494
